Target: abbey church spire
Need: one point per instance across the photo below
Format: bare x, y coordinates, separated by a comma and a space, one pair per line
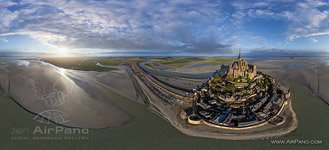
239, 57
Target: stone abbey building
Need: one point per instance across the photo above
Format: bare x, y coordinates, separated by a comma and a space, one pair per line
241, 68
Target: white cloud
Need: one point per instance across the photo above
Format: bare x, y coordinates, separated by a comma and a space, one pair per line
7, 18
304, 18
307, 19
313, 40
118, 24
156, 25
4, 40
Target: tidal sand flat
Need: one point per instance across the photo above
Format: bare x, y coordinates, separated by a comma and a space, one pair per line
310, 72
144, 131
141, 133
55, 95
118, 81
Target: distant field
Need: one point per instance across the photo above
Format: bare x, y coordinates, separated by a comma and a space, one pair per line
182, 61
88, 63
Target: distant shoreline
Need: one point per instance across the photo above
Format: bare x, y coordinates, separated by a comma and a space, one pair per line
111, 55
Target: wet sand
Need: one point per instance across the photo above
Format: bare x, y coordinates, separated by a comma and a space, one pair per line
60, 96
148, 131
119, 81
80, 98
312, 73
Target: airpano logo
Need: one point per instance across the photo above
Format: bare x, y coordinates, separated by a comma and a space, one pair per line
49, 116
48, 130
54, 121
59, 130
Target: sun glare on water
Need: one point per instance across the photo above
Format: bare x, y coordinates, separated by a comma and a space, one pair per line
63, 52
61, 71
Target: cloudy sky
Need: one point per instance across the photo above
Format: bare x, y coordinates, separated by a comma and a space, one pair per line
190, 27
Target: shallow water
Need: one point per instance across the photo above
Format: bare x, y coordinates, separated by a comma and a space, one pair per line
22, 63
59, 95
327, 61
